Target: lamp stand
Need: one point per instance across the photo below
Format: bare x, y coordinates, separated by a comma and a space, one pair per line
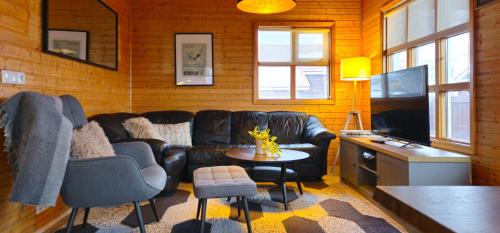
358, 124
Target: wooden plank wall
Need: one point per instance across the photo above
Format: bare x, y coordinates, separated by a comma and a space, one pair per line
154, 23
486, 160
98, 89
92, 17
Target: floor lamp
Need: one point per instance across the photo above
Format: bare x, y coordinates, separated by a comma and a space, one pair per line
353, 69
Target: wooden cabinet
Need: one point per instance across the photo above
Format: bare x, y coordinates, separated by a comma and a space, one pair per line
395, 166
348, 162
391, 171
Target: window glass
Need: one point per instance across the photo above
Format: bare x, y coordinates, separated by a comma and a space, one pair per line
452, 13
396, 28
458, 59
421, 18
426, 55
432, 113
377, 87
274, 82
311, 46
311, 82
458, 115
275, 46
397, 61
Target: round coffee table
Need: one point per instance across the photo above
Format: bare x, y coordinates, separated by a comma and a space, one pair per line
287, 156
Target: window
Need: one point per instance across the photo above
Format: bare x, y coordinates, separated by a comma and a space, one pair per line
293, 64
436, 33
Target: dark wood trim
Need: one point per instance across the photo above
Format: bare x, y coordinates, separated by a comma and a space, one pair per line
45, 37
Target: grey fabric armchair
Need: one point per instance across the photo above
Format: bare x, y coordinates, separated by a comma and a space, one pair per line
130, 177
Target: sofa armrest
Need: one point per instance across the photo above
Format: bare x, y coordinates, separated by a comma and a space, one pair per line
316, 133
159, 147
140, 151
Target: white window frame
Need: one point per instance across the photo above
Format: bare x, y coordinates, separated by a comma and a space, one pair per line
440, 87
328, 61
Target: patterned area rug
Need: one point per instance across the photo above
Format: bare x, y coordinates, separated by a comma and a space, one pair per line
325, 207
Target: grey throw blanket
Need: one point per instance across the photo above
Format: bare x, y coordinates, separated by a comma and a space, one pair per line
37, 142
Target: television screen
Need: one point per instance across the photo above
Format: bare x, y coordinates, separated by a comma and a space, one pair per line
400, 105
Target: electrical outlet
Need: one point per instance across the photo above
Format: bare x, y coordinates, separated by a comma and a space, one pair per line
13, 77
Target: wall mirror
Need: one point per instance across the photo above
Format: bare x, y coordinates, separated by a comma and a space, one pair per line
81, 30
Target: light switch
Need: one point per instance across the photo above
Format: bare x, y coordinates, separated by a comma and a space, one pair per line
13, 77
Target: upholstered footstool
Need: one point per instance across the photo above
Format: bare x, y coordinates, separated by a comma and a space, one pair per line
221, 182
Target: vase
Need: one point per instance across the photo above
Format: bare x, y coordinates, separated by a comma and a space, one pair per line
258, 148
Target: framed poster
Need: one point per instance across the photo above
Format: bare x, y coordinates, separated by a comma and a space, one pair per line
69, 43
194, 59
481, 3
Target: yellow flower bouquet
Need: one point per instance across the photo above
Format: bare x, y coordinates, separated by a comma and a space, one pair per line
265, 143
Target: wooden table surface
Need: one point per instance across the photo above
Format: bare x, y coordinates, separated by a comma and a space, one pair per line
249, 155
444, 208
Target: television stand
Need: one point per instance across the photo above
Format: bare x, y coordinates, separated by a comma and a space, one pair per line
398, 165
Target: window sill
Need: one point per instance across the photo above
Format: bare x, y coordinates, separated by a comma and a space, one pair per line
294, 102
453, 146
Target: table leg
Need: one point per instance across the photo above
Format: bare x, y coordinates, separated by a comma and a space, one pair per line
283, 185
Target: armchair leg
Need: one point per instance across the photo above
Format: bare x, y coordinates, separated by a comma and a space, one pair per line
85, 217
71, 220
153, 207
139, 217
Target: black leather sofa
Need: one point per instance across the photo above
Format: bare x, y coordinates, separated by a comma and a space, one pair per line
214, 131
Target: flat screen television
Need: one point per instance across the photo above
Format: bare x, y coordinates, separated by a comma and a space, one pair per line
400, 105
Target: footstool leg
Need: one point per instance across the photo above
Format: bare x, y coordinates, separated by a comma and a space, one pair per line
198, 209
203, 214
247, 214
238, 200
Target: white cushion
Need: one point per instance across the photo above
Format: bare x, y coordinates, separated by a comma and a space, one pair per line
175, 134
141, 127
90, 142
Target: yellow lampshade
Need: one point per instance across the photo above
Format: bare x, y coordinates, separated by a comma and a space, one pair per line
355, 69
265, 6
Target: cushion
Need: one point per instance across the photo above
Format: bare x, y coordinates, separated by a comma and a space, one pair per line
175, 134
222, 181
212, 127
244, 121
141, 127
90, 142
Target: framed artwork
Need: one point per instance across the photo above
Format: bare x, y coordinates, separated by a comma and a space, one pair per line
69, 43
194, 59
481, 3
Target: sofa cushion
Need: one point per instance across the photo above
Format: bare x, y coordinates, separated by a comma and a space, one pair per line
112, 125
170, 117
211, 155
90, 142
175, 134
244, 121
141, 127
212, 127
287, 126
